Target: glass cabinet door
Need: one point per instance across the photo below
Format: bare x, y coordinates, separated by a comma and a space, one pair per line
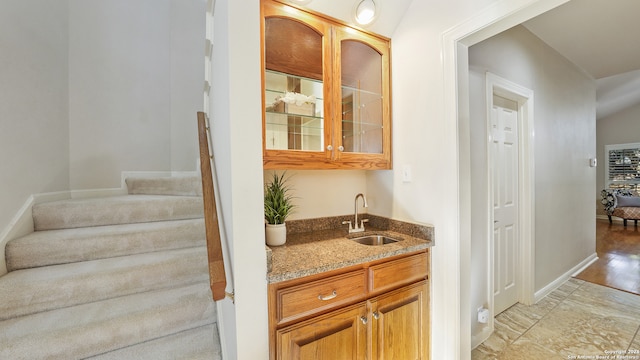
294, 88
364, 111
361, 86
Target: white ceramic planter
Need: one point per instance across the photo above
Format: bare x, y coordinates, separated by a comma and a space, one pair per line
276, 234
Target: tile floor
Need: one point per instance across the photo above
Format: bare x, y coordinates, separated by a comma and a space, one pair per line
579, 320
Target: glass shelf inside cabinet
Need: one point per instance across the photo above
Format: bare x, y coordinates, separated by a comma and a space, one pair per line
286, 132
362, 128
294, 118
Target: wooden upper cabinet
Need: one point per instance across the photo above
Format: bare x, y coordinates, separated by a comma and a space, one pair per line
326, 92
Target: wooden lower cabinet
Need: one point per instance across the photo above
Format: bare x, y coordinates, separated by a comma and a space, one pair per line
400, 325
340, 335
392, 325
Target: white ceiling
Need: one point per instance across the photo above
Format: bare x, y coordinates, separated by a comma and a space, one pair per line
390, 13
596, 35
599, 37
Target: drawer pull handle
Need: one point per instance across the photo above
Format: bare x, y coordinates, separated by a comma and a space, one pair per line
328, 297
363, 319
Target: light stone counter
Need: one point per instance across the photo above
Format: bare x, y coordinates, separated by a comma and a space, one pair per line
326, 245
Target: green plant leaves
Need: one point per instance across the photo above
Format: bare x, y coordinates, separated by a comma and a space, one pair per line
278, 203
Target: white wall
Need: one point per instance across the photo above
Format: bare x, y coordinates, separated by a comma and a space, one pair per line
425, 138
322, 193
237, 146
92, 88
620, 128
34, 132
564, 126
187, 80
136, 71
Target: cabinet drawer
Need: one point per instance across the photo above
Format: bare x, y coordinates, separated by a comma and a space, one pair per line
320, 295
398, 272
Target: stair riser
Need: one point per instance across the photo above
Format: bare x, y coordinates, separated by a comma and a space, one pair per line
102, 327
99, 280
191, 344
182, 186
63, 246
132, 209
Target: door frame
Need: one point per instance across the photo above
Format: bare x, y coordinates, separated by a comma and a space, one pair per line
525, 270
454, 302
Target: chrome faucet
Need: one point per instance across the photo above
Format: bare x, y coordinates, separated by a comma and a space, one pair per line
357, 227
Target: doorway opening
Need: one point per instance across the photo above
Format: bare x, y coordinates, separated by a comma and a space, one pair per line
455, 50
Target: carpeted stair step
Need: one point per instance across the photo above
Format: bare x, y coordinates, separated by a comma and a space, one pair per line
39, 289
183, 186
114, 210
192, 344
52, 247
96, 328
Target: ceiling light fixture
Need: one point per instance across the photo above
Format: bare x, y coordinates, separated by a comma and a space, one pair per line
365, 12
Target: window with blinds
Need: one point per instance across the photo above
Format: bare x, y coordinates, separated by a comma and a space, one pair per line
622, 168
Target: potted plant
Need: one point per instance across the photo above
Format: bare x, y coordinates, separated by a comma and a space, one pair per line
278, 206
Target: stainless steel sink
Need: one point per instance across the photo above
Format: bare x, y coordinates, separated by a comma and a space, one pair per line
374, 240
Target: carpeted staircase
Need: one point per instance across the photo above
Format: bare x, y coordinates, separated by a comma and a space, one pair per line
121, 277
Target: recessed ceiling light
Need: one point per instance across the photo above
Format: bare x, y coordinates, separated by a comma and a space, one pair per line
365, 12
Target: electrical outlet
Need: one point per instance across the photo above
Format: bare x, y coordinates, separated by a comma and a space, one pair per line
483, 315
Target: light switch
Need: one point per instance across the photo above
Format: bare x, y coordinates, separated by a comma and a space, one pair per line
406, 173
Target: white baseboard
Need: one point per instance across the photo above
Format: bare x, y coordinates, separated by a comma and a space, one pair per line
585, 264
566, 276
614, 219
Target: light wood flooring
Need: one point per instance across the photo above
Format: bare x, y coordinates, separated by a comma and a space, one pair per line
618, 264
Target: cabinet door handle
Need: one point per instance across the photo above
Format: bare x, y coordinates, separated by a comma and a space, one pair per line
363, 319
328, 297
341, 148
329, 147
376, 315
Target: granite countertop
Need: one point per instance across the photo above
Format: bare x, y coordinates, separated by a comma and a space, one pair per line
325, 246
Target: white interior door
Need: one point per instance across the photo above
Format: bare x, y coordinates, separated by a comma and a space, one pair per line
504, 158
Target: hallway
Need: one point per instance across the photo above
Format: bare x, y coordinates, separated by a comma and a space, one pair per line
581, 318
